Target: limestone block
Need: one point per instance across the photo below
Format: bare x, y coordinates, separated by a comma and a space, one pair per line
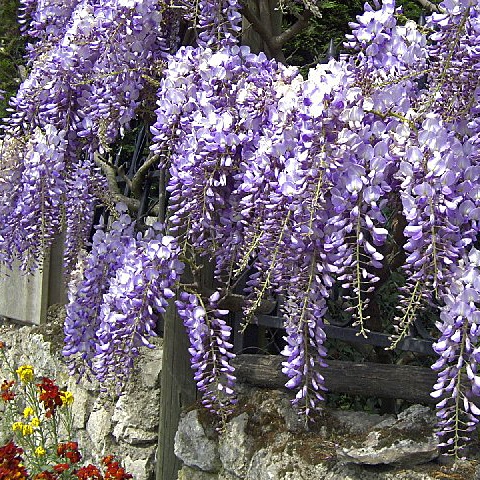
409, 440
141, 468
187, 473
83, 402
193, 446
99, 426
236, 447
151, 365
136, 416
270, 464
358, 422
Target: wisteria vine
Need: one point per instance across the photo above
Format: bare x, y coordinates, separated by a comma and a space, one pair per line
285, 184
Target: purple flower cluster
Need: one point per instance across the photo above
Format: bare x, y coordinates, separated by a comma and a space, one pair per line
219, 21
31, 197
136, 296
45, 22
87, 289
458, 385
210, 350
305, 349
114, 306
88, 68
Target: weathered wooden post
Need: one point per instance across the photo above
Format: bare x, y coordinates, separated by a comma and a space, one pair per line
178, 391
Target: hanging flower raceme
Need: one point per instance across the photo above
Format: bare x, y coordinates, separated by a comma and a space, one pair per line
458, 385
105, 327
87, 289
137, 295
31, 198
46, 22
80, 96
210, 351
219, 21
453, 47
286, 184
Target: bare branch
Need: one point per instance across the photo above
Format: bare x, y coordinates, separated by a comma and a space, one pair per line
132, 203
429, 5
109, 172
295, 29
139, 177
162, 195
121, 171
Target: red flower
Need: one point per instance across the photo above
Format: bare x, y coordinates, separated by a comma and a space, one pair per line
49, 395
114, 470
45, 475
70, 451
89, 472
6, 392
61, 467
11, 467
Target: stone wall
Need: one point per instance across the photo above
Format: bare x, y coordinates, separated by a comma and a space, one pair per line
126, 426
264, 440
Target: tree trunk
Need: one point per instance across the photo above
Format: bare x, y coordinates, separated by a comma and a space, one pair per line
270, 16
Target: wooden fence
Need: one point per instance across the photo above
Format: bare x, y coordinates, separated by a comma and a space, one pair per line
26, 298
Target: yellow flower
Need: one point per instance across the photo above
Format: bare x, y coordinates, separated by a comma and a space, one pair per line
67, 398
35, 422
28, 412
39, 451
27, 430
17, 426
25, 372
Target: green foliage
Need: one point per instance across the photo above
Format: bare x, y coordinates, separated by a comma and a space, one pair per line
312, 44
11, 50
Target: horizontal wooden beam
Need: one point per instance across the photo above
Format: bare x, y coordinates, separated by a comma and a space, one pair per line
405, 382
352, 335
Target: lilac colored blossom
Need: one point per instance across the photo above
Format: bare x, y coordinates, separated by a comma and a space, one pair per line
218, 19
210, 350
87, 290
458, 384
31, 207
45, 21
124, 285
286, 184
137, 295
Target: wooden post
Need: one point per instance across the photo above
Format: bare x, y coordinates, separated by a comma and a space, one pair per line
178, 391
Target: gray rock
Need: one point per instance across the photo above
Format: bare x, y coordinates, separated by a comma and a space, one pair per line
136, 417
99, 427
269, 463
409, 440
140, 467
235, 446
187, 473
357, 422
193, 446
83, 402
151, 365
